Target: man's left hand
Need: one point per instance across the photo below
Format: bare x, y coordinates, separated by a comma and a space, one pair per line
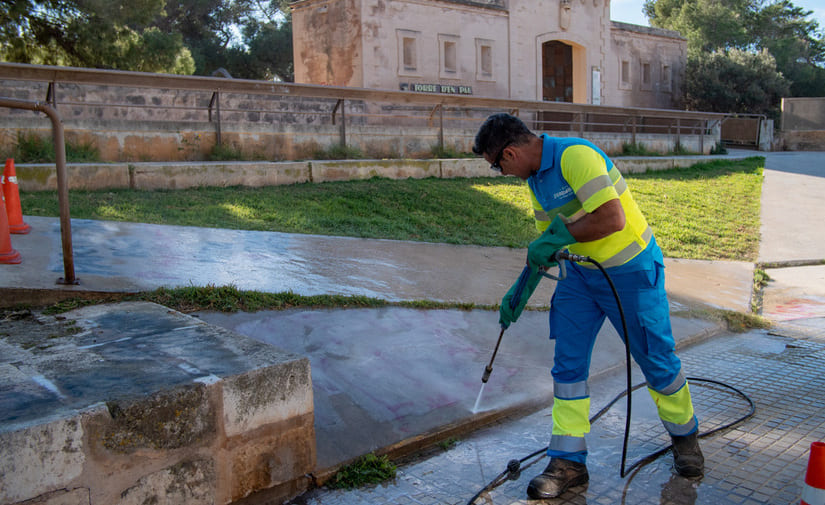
555, 237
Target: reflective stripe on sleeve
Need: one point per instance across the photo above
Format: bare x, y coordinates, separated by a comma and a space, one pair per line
593, 186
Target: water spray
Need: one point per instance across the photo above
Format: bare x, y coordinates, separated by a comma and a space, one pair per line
557, 257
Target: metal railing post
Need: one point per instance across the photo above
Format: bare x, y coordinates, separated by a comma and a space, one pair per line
340, 103
216, 102
62, 181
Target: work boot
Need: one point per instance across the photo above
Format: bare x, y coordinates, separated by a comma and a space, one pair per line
559, 475
687, 456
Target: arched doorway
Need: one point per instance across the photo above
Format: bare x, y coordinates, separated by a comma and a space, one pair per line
557, 71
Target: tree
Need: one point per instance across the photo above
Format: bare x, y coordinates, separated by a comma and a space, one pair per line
734, 81
780, 28
91, 33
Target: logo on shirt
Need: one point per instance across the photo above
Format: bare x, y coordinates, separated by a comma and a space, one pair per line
563, 193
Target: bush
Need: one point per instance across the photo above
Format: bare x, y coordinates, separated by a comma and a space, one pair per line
35, 149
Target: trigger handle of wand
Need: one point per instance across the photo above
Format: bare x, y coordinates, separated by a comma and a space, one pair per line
489, 368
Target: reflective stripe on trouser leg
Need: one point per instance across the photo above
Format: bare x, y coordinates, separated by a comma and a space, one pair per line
675, 408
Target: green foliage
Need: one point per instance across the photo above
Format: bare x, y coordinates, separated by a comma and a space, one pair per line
231, 299
91, 33
225, 152
709, 211
780, 28
735, 81
636, 149
162, 36
718, 148
36, 149
369, 469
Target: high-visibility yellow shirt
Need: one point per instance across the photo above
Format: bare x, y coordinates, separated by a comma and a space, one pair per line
576, 178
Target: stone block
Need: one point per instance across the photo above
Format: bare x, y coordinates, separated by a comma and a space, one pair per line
186, 483
85, 176
266, 396
268, 457
142, 404
40, 459
467, 167
150, 176
337, 170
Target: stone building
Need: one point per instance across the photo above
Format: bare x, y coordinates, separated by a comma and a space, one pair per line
555, 50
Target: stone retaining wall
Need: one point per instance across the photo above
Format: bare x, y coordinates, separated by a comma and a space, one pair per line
147, 405
182, 175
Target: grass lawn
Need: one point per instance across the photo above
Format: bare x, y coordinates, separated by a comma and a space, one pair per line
708, 211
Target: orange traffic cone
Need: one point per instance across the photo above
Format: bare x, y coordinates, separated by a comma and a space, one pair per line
14, 212
814, 491
7, 254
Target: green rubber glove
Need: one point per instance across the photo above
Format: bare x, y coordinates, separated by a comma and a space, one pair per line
516, 298
554, 238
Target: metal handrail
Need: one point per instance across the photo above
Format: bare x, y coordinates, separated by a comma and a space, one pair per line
62, 180
47, 73
355, 104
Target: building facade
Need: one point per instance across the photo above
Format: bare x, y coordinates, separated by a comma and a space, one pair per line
554, 50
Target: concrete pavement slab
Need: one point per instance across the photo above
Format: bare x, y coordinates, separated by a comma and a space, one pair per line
762, 460
794, 293
385, 377
126, 257
792, 210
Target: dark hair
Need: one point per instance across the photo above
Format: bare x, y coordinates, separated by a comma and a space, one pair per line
497, 131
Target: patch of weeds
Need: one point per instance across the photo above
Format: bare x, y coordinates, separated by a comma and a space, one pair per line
719, 148
737, 322
82, 152
636, 149
741, 322
36, 149
369, 469
33, 149
760, 280
680, 150
224, 152
67, 305
448, 444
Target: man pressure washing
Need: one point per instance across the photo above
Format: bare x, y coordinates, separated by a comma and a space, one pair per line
582, 204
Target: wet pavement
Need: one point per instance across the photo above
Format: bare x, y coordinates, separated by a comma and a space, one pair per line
389, 377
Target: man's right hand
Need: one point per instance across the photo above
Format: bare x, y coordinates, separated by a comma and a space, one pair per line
516, 298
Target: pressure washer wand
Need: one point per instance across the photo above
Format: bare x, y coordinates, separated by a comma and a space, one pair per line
558, 256
489, 369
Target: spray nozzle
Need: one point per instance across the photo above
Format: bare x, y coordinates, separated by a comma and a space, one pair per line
487, 371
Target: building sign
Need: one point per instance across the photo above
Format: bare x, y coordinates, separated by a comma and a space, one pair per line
437, 88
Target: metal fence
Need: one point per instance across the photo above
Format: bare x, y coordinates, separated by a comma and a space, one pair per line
106, 102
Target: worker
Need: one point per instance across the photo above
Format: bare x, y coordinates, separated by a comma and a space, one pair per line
581, 203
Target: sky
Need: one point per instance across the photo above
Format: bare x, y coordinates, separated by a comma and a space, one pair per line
630, 11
